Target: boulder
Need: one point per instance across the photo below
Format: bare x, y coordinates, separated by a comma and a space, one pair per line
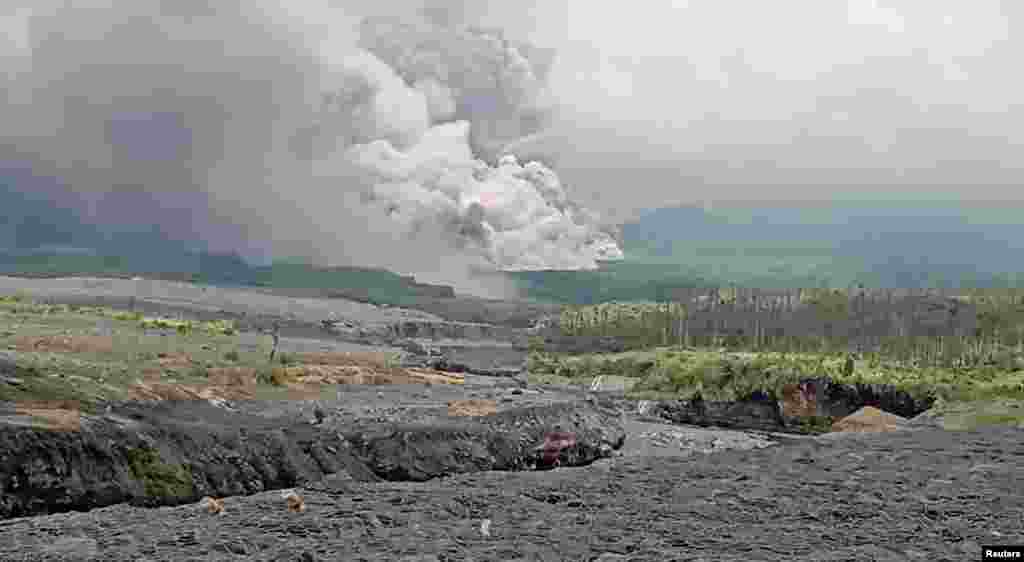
8, 366
762, 415
9, 370
515, 439
164, 453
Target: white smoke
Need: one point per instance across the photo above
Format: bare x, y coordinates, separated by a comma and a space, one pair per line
408, 130
236, 124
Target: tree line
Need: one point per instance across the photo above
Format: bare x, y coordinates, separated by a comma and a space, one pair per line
939, 326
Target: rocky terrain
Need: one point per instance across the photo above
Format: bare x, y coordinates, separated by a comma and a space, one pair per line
484, 467
498, 343
911, 495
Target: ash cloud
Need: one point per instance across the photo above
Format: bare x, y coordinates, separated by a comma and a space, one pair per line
376, 141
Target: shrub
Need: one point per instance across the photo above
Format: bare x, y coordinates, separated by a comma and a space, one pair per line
275, 376
232, 356
159, 479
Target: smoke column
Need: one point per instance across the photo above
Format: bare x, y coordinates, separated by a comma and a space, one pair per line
380, 142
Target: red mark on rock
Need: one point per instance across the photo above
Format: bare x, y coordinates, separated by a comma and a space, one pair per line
554, 443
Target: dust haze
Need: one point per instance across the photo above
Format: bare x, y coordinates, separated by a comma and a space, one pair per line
310, 130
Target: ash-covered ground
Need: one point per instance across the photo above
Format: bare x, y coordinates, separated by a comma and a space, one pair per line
671, 492
913, 495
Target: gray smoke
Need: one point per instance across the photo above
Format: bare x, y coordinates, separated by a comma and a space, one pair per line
376, 142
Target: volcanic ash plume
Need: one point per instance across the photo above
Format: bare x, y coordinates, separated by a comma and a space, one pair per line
419, 110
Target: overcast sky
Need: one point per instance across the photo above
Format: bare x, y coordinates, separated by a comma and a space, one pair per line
792, 99
666, 101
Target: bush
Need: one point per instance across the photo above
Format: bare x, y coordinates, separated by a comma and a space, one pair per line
159, 479
232, 356
275, 376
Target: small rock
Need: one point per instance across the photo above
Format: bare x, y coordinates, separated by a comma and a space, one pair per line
295, 502
485, 527
212, 506
8, 366
238, 547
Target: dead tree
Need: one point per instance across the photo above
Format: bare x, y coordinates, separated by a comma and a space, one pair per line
276, 335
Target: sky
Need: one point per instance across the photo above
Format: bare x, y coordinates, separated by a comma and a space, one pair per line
658, 102
791, 100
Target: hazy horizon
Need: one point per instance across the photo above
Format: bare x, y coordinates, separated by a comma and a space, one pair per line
198, 108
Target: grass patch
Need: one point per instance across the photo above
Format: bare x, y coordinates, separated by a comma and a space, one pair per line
187, 327
998, 419
160, 480
93, 354
727, 376
974, 414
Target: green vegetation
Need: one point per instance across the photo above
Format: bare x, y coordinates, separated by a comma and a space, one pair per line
274, 376
184, 327
720, 375
92, 354
821, 321
966, 415
160, 480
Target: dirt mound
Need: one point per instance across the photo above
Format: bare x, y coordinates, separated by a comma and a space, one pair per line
472, 408
64, 344
870, 420
225, 383
175, 360
157, 391
351, 374
300, 381
51, 415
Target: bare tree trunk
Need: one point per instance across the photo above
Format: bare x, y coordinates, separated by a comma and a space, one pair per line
276, 335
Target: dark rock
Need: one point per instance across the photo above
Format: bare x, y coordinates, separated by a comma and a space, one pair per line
165, 453
8, 365
844, 399
751, 414
814, 398
9, 370
510, 440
